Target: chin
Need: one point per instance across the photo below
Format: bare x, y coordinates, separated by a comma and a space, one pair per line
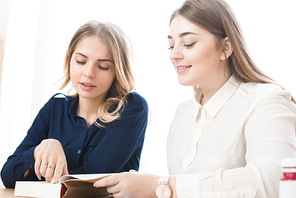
184, 82
86, 96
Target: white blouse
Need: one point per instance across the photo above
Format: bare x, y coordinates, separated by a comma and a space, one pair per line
232, 146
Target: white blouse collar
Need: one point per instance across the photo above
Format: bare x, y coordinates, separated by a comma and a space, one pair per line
219, 99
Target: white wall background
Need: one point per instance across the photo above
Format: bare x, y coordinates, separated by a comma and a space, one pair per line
38, 32
4, 12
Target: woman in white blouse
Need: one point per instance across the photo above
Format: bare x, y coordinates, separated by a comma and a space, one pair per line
229, 139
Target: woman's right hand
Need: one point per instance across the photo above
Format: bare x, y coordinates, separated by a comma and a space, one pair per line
50, 160
131, 184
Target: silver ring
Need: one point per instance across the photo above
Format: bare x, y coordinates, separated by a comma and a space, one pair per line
48, 166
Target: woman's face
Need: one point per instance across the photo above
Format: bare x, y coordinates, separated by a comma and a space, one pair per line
92, 69
194, 53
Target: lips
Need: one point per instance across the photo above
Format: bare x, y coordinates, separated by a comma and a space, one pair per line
183, 68
87, 86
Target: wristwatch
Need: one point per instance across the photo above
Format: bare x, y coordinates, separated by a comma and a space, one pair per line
163, 188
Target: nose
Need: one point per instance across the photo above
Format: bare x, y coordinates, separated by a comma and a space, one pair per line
89, 71
176, 53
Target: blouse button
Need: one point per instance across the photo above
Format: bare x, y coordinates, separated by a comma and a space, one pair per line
78, 152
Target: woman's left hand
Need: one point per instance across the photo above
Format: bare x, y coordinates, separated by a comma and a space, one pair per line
129, 184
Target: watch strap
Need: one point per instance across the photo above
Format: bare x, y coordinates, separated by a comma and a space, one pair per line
164, 179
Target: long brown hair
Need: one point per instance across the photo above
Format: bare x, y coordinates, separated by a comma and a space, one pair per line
121, 50
217, 17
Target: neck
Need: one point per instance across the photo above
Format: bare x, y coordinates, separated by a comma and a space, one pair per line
88, 109
209, 89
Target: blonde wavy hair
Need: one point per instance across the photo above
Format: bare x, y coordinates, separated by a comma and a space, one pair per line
217, 17
121, 51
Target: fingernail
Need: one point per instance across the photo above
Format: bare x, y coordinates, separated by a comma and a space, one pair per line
53, 181
38, 177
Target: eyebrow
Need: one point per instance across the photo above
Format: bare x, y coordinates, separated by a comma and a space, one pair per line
108, 60
182, 34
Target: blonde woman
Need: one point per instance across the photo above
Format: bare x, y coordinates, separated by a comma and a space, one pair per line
98, 130
229, 138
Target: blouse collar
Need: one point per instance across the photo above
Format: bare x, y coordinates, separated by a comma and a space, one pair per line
220, 98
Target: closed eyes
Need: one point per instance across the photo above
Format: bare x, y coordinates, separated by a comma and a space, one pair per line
187, 46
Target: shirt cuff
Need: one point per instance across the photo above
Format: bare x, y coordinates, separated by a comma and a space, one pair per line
187, 185
27, 159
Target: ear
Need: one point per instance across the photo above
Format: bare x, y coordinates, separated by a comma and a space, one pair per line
226, 49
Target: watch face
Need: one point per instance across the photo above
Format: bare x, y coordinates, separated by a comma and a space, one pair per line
163, 191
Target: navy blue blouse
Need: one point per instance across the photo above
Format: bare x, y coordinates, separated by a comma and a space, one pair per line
113, 149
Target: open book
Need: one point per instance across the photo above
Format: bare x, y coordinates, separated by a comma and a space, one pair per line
69, 186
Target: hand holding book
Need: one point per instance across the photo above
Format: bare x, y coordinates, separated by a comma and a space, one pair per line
129, 184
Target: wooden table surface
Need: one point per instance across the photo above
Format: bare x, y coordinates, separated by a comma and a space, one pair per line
7, 192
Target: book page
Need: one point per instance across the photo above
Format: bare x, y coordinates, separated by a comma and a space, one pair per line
82, 177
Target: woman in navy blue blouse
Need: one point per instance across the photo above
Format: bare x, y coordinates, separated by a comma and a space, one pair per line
100, 129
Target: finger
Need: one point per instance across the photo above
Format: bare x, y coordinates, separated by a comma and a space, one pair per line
57, 172
49, 173
37, 167
65, 169
43, 167
111, 180
117, 195
132, 170
113, 189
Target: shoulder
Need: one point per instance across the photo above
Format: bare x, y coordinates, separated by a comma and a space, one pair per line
62, 97
54, 106
263, 91
134, 108
261, 87
59, 100
134, 104
267, 97
136, 99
